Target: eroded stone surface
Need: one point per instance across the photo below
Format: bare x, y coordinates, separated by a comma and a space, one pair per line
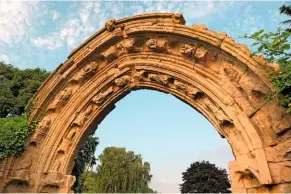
205, 69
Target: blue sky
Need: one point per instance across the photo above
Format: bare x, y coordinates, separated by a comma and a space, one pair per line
168, 133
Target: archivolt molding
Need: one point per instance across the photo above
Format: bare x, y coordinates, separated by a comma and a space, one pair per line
205, 69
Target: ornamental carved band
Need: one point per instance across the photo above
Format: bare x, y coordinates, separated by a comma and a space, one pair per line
205, 69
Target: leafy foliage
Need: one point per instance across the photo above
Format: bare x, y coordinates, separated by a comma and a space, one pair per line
286, 9
17, 88
276, 47
85, 158
13, 133
204, 177
119, 171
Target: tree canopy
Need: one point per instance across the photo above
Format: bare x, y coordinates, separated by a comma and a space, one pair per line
119, 171
204, 177
85, 158
286, 9
17, 88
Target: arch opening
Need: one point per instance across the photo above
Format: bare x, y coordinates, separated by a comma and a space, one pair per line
168, 133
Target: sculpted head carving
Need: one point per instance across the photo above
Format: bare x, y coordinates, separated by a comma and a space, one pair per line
59, 159
110, 24
179, 85
90, 68
86, 72
122, 81
84, 116
188, 50
126, 46
101, 97
200, 53
162, 79
194, 92
61, 98
44, 124
156, 44
139, 75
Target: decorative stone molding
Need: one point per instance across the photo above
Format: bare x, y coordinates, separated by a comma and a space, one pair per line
152, 51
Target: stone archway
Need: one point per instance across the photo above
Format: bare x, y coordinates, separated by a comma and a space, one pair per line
205, 69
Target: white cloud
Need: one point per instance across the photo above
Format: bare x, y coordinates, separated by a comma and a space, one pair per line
4, 58
55, 15
49, 43
75, 30
15, 18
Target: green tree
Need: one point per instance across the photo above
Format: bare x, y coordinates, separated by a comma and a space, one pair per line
275, 47
120, 171
204, 177
286, 9
17, 87
85, 158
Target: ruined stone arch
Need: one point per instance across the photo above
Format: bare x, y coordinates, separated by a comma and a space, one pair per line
205, 69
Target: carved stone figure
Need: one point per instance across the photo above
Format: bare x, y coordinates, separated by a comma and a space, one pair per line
66, 143
110, 25
193, 92
59, 159
61, 99
200, 53
86, 72
139, 75
84, 116
25, 163
179, 85
231, 73
101, 97
162, 79
122, 81
41, 130
188, 50
159, 45
111, 53
126, 46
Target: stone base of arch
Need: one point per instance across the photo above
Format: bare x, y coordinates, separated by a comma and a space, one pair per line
46, 183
